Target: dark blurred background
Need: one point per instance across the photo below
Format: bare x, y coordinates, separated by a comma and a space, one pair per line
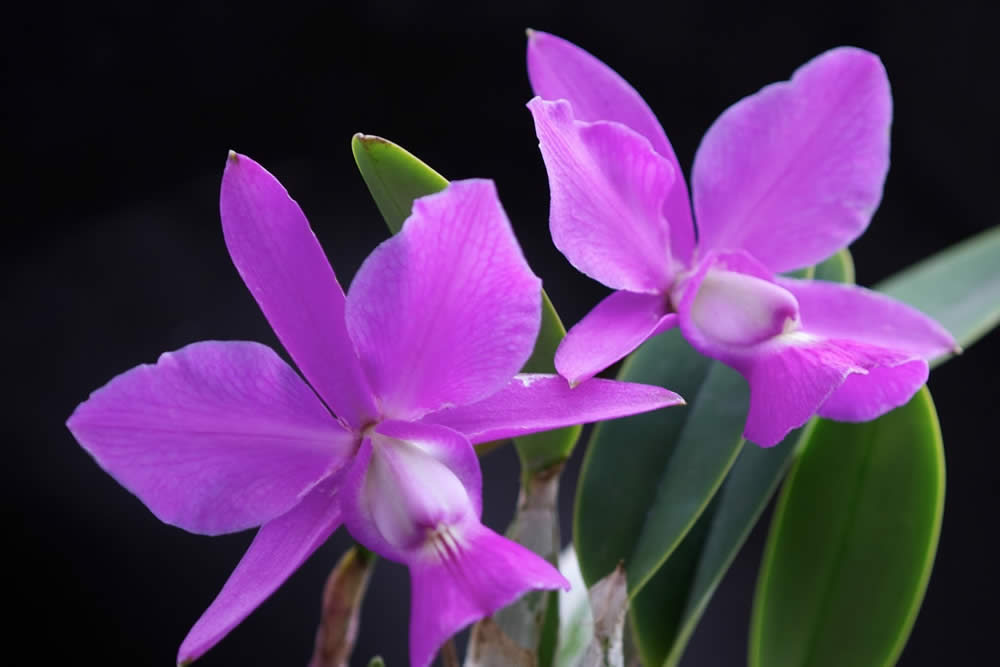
117, 119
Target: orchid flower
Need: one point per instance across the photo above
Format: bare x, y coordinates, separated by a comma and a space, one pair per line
782, 180
413, 366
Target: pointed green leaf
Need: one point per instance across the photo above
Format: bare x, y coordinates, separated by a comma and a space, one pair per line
667, 610
395, 178
852, 542
646, 479
959, 287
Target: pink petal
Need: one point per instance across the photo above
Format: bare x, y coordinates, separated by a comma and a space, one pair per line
402, 485
481, 574
445, 312
607, 188
214, 438
617, 326
280, 547
560, 70
533, 403
792, 380
282, 264
793, 173
864, 397
835, 310
731, 310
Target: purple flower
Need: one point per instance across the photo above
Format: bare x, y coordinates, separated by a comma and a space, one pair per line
782, 180
416, 364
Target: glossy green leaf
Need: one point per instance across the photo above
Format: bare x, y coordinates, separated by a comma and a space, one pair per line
959, 287
852, 542
646, 479
395, 178
667, 610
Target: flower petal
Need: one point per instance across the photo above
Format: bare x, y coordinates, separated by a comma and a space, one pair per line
793, 173
532, 403
617, 326
755, 326
607, 188
790, 380
559, 70
403, 482
866, 396
446, 311
283, 266
481, 573
836, 310
280, 547
214, 438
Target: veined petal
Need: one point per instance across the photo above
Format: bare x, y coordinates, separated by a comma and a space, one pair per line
866, 396
446, 311
730, 309
607, 188
795, 377
474, 573
283, 266
560, 70
531, 403
836, 310
793, 173
407, 481
213, 438
617, 326
280, 547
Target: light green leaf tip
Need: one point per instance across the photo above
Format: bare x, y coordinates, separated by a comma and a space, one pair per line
395, 178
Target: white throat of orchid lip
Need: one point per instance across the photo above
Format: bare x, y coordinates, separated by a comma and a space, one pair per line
416, 501
738, 310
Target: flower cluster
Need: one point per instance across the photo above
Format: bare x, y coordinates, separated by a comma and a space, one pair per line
420, 359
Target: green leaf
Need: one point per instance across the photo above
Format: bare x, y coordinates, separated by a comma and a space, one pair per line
646, 479
852, 542
959, 287
667, 610
838, 268
395, 178
377, 661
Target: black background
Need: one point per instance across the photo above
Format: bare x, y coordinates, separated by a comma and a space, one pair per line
117, 119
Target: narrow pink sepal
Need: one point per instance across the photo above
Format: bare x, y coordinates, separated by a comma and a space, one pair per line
283, 266
481, 574
560, 70
279, 548
613, 329
835, 310
532, 403
794, 172
446, 311
214, 438
607, 188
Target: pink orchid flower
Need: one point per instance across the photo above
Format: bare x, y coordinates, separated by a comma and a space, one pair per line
413, 366
782, 180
